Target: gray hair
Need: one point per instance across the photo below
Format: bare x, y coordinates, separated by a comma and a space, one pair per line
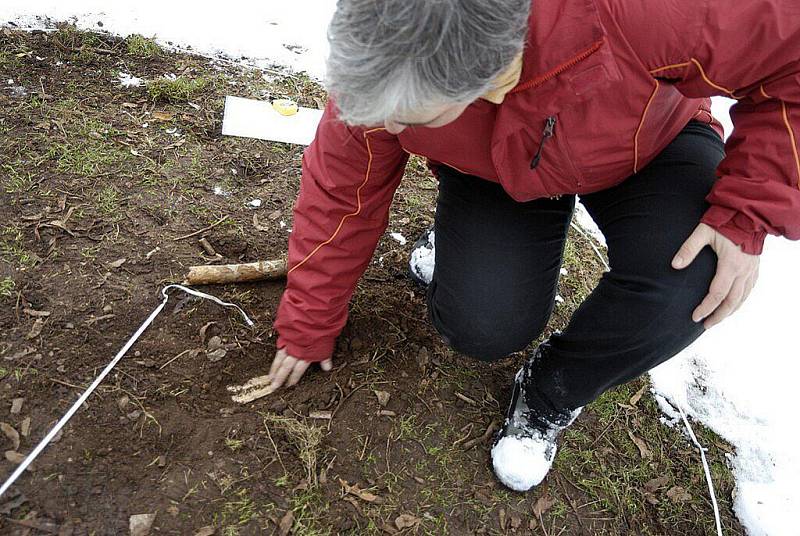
390, 57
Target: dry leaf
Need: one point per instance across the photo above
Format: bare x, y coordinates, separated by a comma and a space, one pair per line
206, 531
274, 215
405, 521
163, 116
321, 415
516, 521
677, 494
542, 505
16, 405
656, 483
204, 331
16, 458
214, 342
117, 263
140, 524
635, 398
36, 314
641, 445
383, 397
361, 494
258, 226
10, 433
286, 523
36, 329
25, 427
502, 515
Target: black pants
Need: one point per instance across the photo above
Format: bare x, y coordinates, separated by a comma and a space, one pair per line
498, 261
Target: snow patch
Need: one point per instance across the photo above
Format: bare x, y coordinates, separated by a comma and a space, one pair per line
128, 80
400, 238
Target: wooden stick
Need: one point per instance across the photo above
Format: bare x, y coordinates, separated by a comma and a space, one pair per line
211, 274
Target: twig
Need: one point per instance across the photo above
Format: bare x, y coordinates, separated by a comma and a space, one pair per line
67, 384
174, 358
269, 435
201, 231
493, 427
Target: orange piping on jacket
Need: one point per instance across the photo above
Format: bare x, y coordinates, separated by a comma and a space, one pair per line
702, 72
639, 128
351, 214
793, 140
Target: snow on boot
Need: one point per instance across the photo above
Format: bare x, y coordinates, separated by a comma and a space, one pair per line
423, 257
526, 446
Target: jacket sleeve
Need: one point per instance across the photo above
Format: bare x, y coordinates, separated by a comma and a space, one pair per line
748, 50
348, 181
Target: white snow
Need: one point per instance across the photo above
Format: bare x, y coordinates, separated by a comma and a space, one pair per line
254, 203
128, 80
423, 259
399, 237
521, 462
739, 378
267, 33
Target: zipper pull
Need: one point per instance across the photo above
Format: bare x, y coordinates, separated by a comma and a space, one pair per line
549, 130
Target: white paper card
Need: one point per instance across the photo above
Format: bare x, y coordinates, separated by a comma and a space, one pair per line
250, 118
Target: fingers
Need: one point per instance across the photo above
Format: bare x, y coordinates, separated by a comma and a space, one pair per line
297, 372
283, 371
699, 239
280, 355
717, 293
288, 370
731, 302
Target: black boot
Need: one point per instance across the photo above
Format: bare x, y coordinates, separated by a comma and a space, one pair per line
525, 447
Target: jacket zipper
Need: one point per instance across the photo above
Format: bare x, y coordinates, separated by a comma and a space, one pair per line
549, 131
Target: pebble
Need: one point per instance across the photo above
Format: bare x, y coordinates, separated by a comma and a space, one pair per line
16, 405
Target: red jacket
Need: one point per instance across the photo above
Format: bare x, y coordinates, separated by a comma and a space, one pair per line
621, 78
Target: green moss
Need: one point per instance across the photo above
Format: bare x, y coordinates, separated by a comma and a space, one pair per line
177, 90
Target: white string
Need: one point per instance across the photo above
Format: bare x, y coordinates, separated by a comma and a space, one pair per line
705, 468
78, 403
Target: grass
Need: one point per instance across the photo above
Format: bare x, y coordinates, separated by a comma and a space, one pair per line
16, 181
107, 200
177, 90
309, 508
609, 468
12, 250
7, 287
142, 47
90, 147
304, 438
237, 511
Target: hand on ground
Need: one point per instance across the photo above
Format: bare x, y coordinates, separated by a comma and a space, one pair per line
285, 367
736, 275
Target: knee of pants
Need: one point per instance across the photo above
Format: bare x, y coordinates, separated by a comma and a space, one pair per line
664, 313
484, 336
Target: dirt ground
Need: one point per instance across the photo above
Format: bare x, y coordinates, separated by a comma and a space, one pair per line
100, 183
